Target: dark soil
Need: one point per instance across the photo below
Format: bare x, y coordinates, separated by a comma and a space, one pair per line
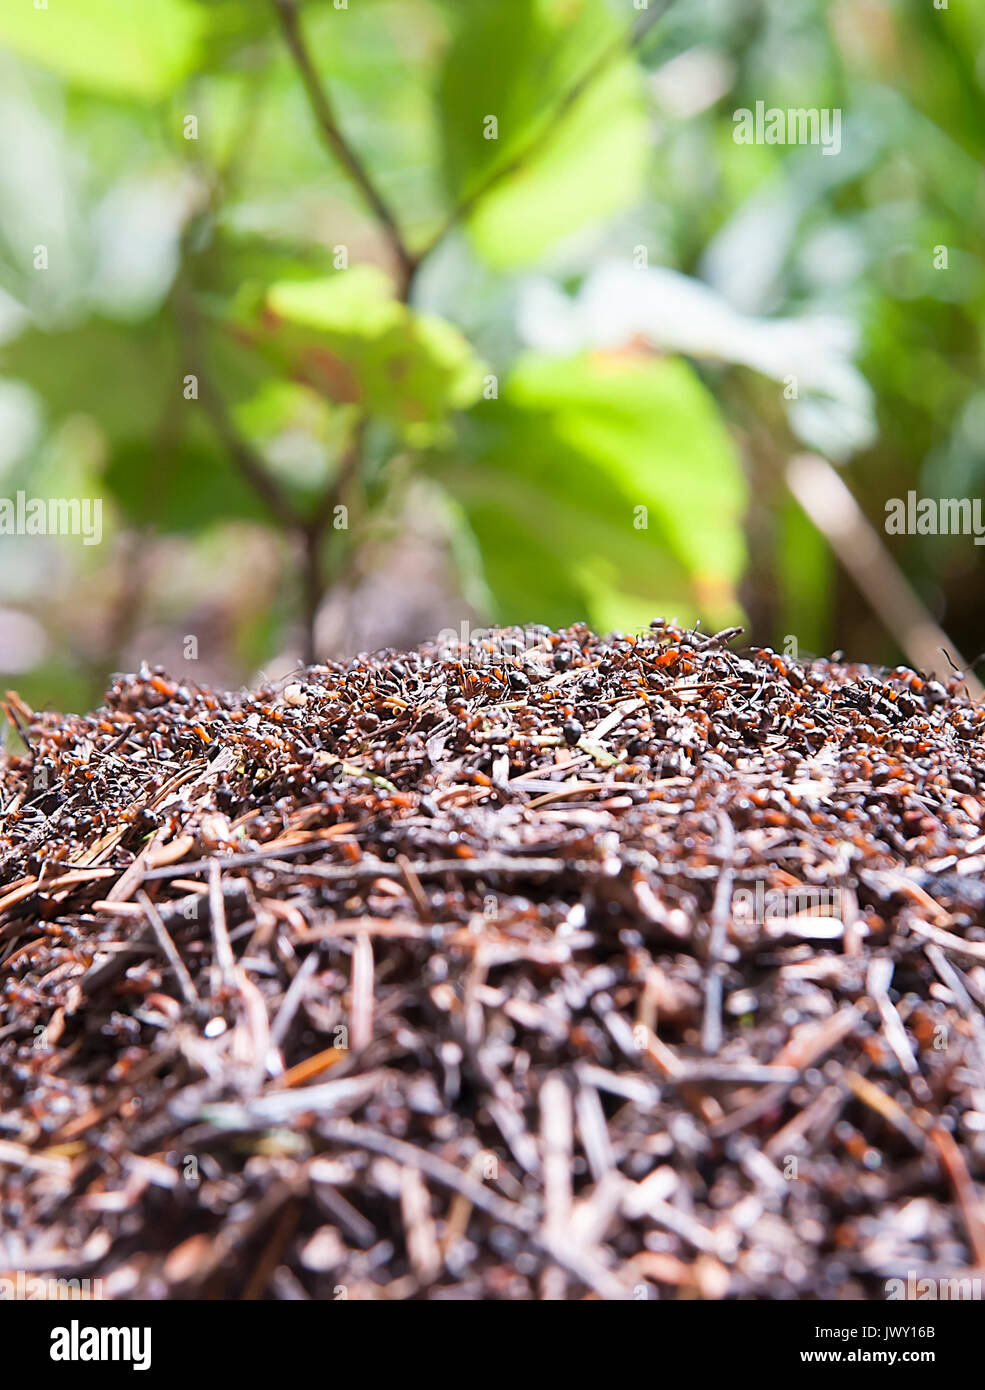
603, 969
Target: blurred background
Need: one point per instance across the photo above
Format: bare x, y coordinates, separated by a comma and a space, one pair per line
366, 319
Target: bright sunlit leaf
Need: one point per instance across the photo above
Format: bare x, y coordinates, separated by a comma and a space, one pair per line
606, 488
556, 164
347, 336
117, 47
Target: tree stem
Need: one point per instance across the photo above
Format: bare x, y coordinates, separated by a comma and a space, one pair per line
339, 146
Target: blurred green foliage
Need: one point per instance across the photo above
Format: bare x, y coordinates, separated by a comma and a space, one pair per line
593, 446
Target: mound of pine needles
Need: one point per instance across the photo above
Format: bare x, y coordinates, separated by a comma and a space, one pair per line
544, 967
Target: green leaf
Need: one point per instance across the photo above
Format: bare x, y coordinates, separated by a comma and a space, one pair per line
164, 466
605, 488
108, 46
657, 431
592, 167
357, 302
565, 164
509, 60
113, 373
193, 486
519, 562
347, 336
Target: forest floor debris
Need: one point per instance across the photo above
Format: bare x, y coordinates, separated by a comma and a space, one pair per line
547, 967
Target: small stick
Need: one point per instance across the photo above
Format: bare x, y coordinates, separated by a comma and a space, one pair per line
292, 999
947, 940
423, 1251
224, 957
876, 1099
185, 982
414, 887
807, 1046
362, 992
507, 865
577, 1262
877, 982
593, 1130
954, 1165
271, 1256
428, 868
955, 982
18, 1156
711, 1027
556, 1142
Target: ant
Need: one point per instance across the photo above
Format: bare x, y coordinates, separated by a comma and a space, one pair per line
955, 681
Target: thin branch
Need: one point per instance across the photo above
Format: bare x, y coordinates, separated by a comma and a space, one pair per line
308, 531
625, 43
348, 469
333, 137
829, 504
185, 982
249, 463
312, 588
312, 536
